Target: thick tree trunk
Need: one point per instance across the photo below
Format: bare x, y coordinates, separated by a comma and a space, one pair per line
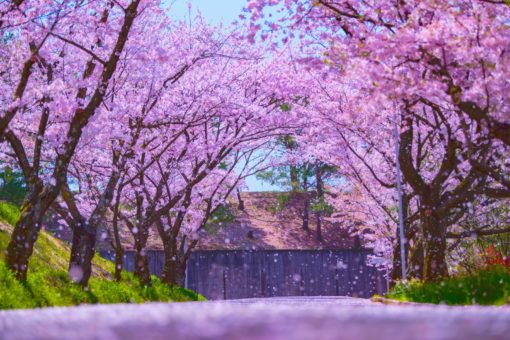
396, 273
142, 271
84, 232
24, 236
21, 244
82, 253
416, 261
435, 248
174, 268
174, 272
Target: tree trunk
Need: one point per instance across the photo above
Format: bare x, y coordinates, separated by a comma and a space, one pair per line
306, 202
174, 268
24, 236
435, 248
294, 178
117, 244
119, 263
306, 213
174, 272
142, 263
319, 227
320, 195
82, 253
240, 200
416, 261
396, 273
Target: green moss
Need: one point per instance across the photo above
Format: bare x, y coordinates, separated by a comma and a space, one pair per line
49, 285
488, 287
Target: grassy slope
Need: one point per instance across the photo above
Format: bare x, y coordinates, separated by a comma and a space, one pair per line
488, 287
48, 283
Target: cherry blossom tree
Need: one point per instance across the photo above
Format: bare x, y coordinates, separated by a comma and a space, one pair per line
435, 69
135, 118
172, 192
83, 44
115, 108
179, 228
26, 27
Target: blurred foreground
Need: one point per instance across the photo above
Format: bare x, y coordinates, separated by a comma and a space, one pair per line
274, 318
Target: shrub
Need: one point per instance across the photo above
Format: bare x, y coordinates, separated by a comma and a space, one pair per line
489, 286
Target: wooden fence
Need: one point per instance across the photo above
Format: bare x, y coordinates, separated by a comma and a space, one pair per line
234, 274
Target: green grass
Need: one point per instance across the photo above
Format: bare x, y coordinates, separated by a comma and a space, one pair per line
9, 213
49, 285
489, 286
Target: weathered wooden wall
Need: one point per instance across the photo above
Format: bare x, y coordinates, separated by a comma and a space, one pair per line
233, 274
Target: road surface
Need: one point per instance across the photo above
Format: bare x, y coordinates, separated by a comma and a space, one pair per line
316, 318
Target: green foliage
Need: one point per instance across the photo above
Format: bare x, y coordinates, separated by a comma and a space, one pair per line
49, 285
223, 166
282, 176
322, 206
282, 200
285, 107
489, 286
277, 176
288, 141
12, 186
220, 216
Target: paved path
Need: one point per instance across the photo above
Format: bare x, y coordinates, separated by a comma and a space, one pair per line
316, 318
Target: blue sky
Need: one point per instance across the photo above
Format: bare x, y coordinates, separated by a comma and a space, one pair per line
215, 12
